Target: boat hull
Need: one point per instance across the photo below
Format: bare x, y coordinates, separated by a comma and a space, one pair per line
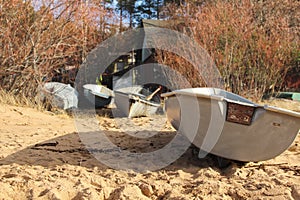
203, 116
98, 95
133, 105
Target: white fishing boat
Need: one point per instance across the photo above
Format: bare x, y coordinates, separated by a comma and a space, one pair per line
99, 95
134, 104
230, 126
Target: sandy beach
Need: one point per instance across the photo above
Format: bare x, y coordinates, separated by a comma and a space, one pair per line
42, 157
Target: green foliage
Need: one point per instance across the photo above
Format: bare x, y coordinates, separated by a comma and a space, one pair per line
136, 10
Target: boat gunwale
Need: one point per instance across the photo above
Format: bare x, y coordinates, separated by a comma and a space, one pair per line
99, 94
222, 98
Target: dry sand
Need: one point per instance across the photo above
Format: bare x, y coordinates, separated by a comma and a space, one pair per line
42, 157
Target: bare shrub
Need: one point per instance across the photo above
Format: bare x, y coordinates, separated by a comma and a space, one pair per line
253, 43
38, 41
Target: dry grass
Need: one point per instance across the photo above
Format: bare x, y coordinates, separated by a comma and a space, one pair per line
11, 99
20, 100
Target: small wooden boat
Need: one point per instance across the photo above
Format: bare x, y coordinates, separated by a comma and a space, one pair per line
60, 95
99, 95
230, 126
134, 104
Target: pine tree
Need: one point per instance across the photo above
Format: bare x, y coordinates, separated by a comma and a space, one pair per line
131, 10
148, 9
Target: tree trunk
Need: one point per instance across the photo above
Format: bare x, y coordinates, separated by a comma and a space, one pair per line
121, 19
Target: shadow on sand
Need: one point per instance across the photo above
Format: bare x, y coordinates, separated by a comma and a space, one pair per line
69, 149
